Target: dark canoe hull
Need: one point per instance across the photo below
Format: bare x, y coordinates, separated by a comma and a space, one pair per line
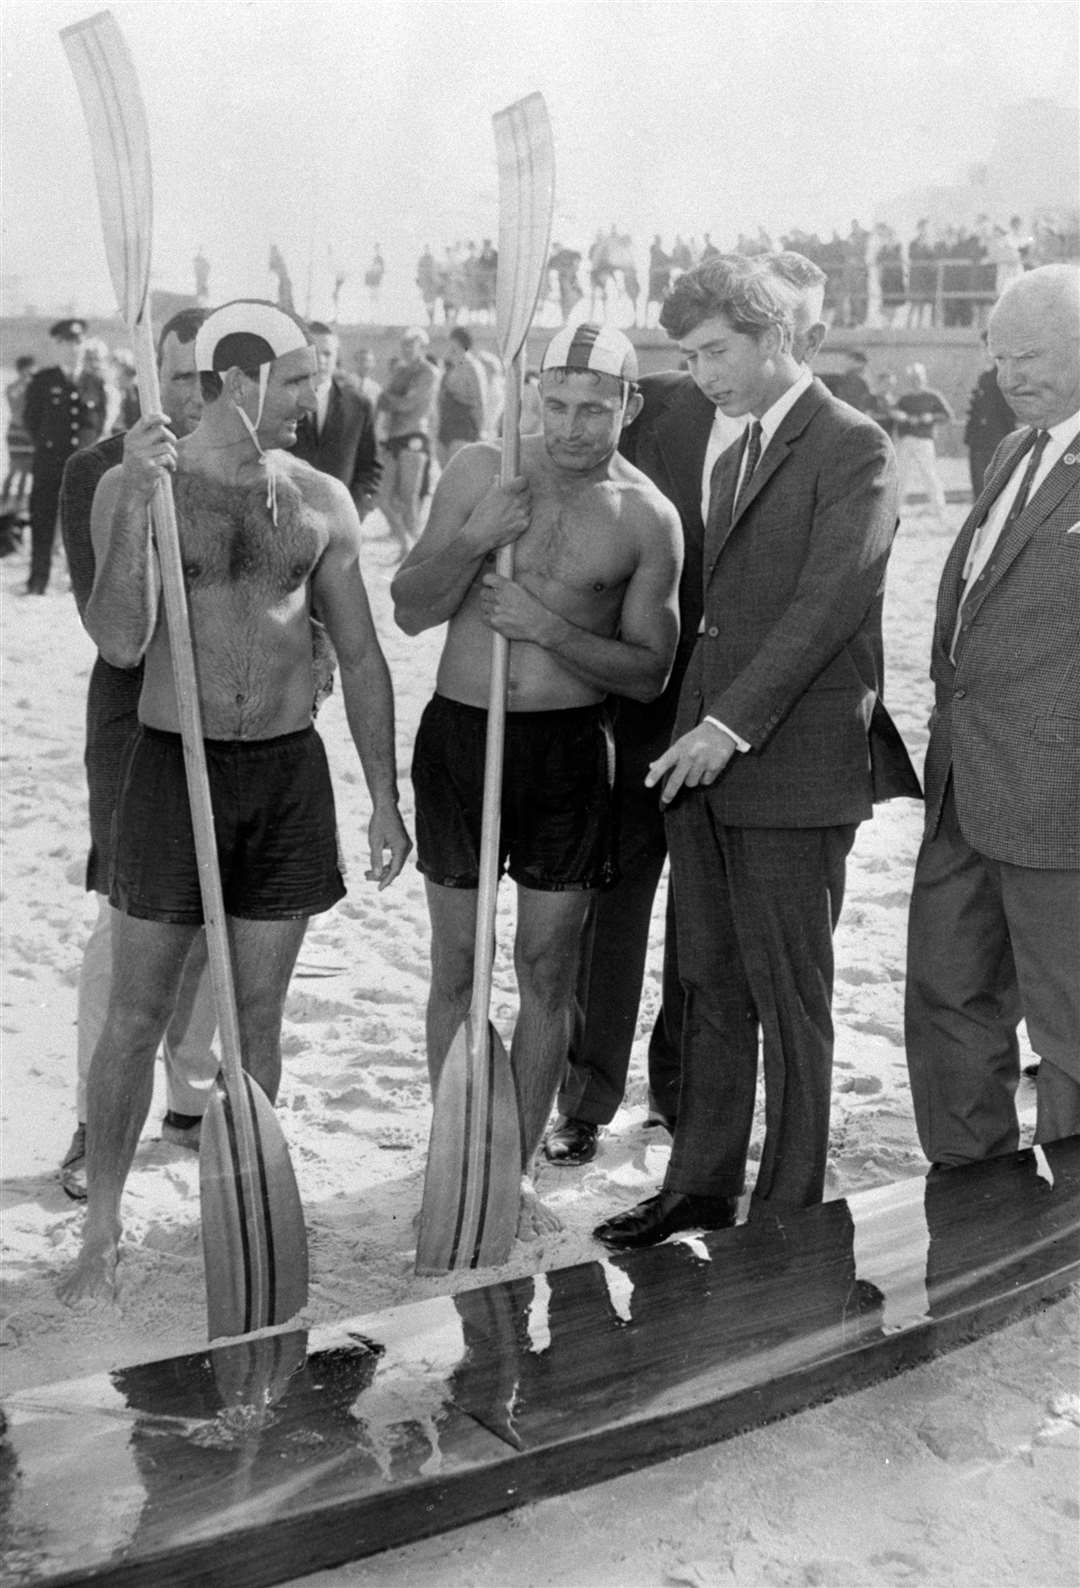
286, 1453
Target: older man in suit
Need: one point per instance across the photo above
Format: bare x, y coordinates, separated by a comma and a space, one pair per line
994, 928
771, 768
675, 440
339, 437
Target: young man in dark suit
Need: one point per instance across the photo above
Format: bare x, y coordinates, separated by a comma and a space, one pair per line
339, 437
675, 440
994, 930
770, 770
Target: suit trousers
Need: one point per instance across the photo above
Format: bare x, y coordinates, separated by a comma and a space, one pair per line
611, 973
756, 909
988, 944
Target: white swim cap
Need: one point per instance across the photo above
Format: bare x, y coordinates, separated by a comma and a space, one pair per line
247, 331
599, 348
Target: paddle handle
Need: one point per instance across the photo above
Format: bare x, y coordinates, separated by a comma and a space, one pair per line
488, 884
167, 541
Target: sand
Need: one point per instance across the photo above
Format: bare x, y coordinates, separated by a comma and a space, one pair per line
962, 1472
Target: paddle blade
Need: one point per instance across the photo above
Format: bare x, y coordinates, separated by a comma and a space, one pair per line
526, 157
472, 1189
254, 1241
116, 118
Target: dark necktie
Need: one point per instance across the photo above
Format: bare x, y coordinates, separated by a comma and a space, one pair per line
753, 454
1021, 499
1019, 502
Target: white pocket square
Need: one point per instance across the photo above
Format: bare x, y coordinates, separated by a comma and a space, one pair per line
1073, 529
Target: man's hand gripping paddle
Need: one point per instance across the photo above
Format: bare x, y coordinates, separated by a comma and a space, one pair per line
254, 1241
472, 1190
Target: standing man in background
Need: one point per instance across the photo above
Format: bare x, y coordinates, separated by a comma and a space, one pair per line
920, 410
408, 400
462, 396
989, 421
338, 437
64, 410
994, 929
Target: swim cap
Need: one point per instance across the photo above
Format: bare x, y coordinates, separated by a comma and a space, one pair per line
245, 332
599, 348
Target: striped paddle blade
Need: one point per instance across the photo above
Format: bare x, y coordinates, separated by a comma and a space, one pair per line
526, 157
116, 117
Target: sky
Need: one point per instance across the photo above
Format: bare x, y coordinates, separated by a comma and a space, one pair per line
327, 126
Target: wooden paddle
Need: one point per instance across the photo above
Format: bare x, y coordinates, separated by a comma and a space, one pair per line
254, 1242
472, 1189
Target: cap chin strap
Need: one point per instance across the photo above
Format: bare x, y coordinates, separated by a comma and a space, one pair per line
253, 432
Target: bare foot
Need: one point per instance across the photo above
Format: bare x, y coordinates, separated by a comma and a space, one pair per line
94, 1274
534, 1219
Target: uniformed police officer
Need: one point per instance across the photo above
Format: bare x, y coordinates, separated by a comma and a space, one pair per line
65, 410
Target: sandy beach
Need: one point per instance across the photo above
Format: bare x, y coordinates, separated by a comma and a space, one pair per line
962, 1472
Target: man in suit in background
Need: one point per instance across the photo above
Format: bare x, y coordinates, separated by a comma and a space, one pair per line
675, 440
770, 770
994, 928
339, 438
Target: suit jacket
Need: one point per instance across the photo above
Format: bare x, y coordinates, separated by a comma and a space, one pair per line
1006, 719
791, 654
345, 447
667, 442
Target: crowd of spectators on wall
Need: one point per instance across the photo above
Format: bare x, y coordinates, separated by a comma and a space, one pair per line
943, 277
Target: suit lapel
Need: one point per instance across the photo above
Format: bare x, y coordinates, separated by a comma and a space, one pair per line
1042, 504
721, 522
952, 583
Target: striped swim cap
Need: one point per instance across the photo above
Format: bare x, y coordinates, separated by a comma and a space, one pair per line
599, 348
249, 331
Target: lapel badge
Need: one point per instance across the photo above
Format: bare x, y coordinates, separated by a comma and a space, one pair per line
1070, 458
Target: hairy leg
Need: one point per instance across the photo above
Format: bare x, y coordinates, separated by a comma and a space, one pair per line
453, 930
147, 963
549, 929
264, 954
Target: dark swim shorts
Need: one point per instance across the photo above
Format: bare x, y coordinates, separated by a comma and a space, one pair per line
557, 823
273, 818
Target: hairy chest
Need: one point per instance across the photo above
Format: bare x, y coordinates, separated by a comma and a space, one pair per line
229, 538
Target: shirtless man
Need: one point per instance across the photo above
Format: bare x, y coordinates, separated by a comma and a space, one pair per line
263, 536
408, 401
592, 608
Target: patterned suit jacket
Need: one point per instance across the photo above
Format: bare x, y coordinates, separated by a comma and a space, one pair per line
1006, 719
345, 447
791, 654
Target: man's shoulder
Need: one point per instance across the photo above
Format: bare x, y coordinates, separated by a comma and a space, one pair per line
87, 466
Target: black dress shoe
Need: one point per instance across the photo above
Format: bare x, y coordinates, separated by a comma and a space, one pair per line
570, 1142
666, 1214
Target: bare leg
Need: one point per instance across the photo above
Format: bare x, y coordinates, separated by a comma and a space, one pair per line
453, 932
264, 954
411, 467
190, 1062
147, 963
549, 931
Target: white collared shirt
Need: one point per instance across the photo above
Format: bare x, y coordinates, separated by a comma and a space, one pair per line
322, 400
986, 537
773, 417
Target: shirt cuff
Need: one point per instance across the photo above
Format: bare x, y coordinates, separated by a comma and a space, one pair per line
740, 744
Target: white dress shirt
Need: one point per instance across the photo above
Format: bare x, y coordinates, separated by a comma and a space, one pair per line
986, 536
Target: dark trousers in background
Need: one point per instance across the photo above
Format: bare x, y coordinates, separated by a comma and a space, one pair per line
756, 908
613, 954
44, 510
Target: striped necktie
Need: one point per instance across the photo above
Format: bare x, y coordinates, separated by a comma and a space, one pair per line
750, 463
